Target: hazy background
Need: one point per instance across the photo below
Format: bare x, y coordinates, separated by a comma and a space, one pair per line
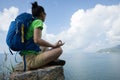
89, 28
88, 25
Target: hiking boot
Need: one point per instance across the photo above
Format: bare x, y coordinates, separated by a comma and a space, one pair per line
57, 62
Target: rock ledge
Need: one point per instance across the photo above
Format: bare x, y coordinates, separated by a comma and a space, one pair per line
46, 73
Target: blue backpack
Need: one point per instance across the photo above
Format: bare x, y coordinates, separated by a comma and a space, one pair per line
16, 37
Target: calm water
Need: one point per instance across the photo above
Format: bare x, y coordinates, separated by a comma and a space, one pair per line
89, 66
92, 66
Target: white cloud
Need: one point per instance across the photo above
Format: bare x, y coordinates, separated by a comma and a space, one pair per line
89, 29
7, 16
92, 29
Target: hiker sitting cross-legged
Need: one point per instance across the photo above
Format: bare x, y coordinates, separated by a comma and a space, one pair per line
38, 59
36, 51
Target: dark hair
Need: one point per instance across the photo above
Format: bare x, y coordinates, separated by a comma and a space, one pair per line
37, 9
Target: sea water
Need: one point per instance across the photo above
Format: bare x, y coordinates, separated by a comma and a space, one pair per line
92, 66
85, 66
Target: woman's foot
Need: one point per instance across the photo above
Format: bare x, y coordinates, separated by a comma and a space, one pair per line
57, 62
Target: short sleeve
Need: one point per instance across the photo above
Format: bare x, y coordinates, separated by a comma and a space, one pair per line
38, 24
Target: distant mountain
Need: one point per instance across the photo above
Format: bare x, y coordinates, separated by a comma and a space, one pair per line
115, 49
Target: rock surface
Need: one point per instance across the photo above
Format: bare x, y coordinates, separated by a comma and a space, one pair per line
46, 73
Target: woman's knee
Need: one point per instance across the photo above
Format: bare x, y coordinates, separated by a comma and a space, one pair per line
59, 50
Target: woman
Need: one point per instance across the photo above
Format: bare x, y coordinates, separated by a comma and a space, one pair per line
44, 57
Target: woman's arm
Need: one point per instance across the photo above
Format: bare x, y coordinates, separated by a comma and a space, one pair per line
38, 40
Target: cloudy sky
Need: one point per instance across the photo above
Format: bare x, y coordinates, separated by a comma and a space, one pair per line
87, 25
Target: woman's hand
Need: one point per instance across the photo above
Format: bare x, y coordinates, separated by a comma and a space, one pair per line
58, 44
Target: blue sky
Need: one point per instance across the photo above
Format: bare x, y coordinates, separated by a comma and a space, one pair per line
59, 12
88, 25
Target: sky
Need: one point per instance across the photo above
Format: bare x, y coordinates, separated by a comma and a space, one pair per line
82, 24
58, 12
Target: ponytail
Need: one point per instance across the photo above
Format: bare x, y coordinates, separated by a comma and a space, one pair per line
34, 5
37, 9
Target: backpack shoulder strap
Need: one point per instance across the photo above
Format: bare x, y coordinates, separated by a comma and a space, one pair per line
10, 51
24, 60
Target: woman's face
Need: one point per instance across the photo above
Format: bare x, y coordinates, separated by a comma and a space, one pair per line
43, 15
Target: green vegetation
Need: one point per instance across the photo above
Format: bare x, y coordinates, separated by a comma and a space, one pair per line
6, 69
